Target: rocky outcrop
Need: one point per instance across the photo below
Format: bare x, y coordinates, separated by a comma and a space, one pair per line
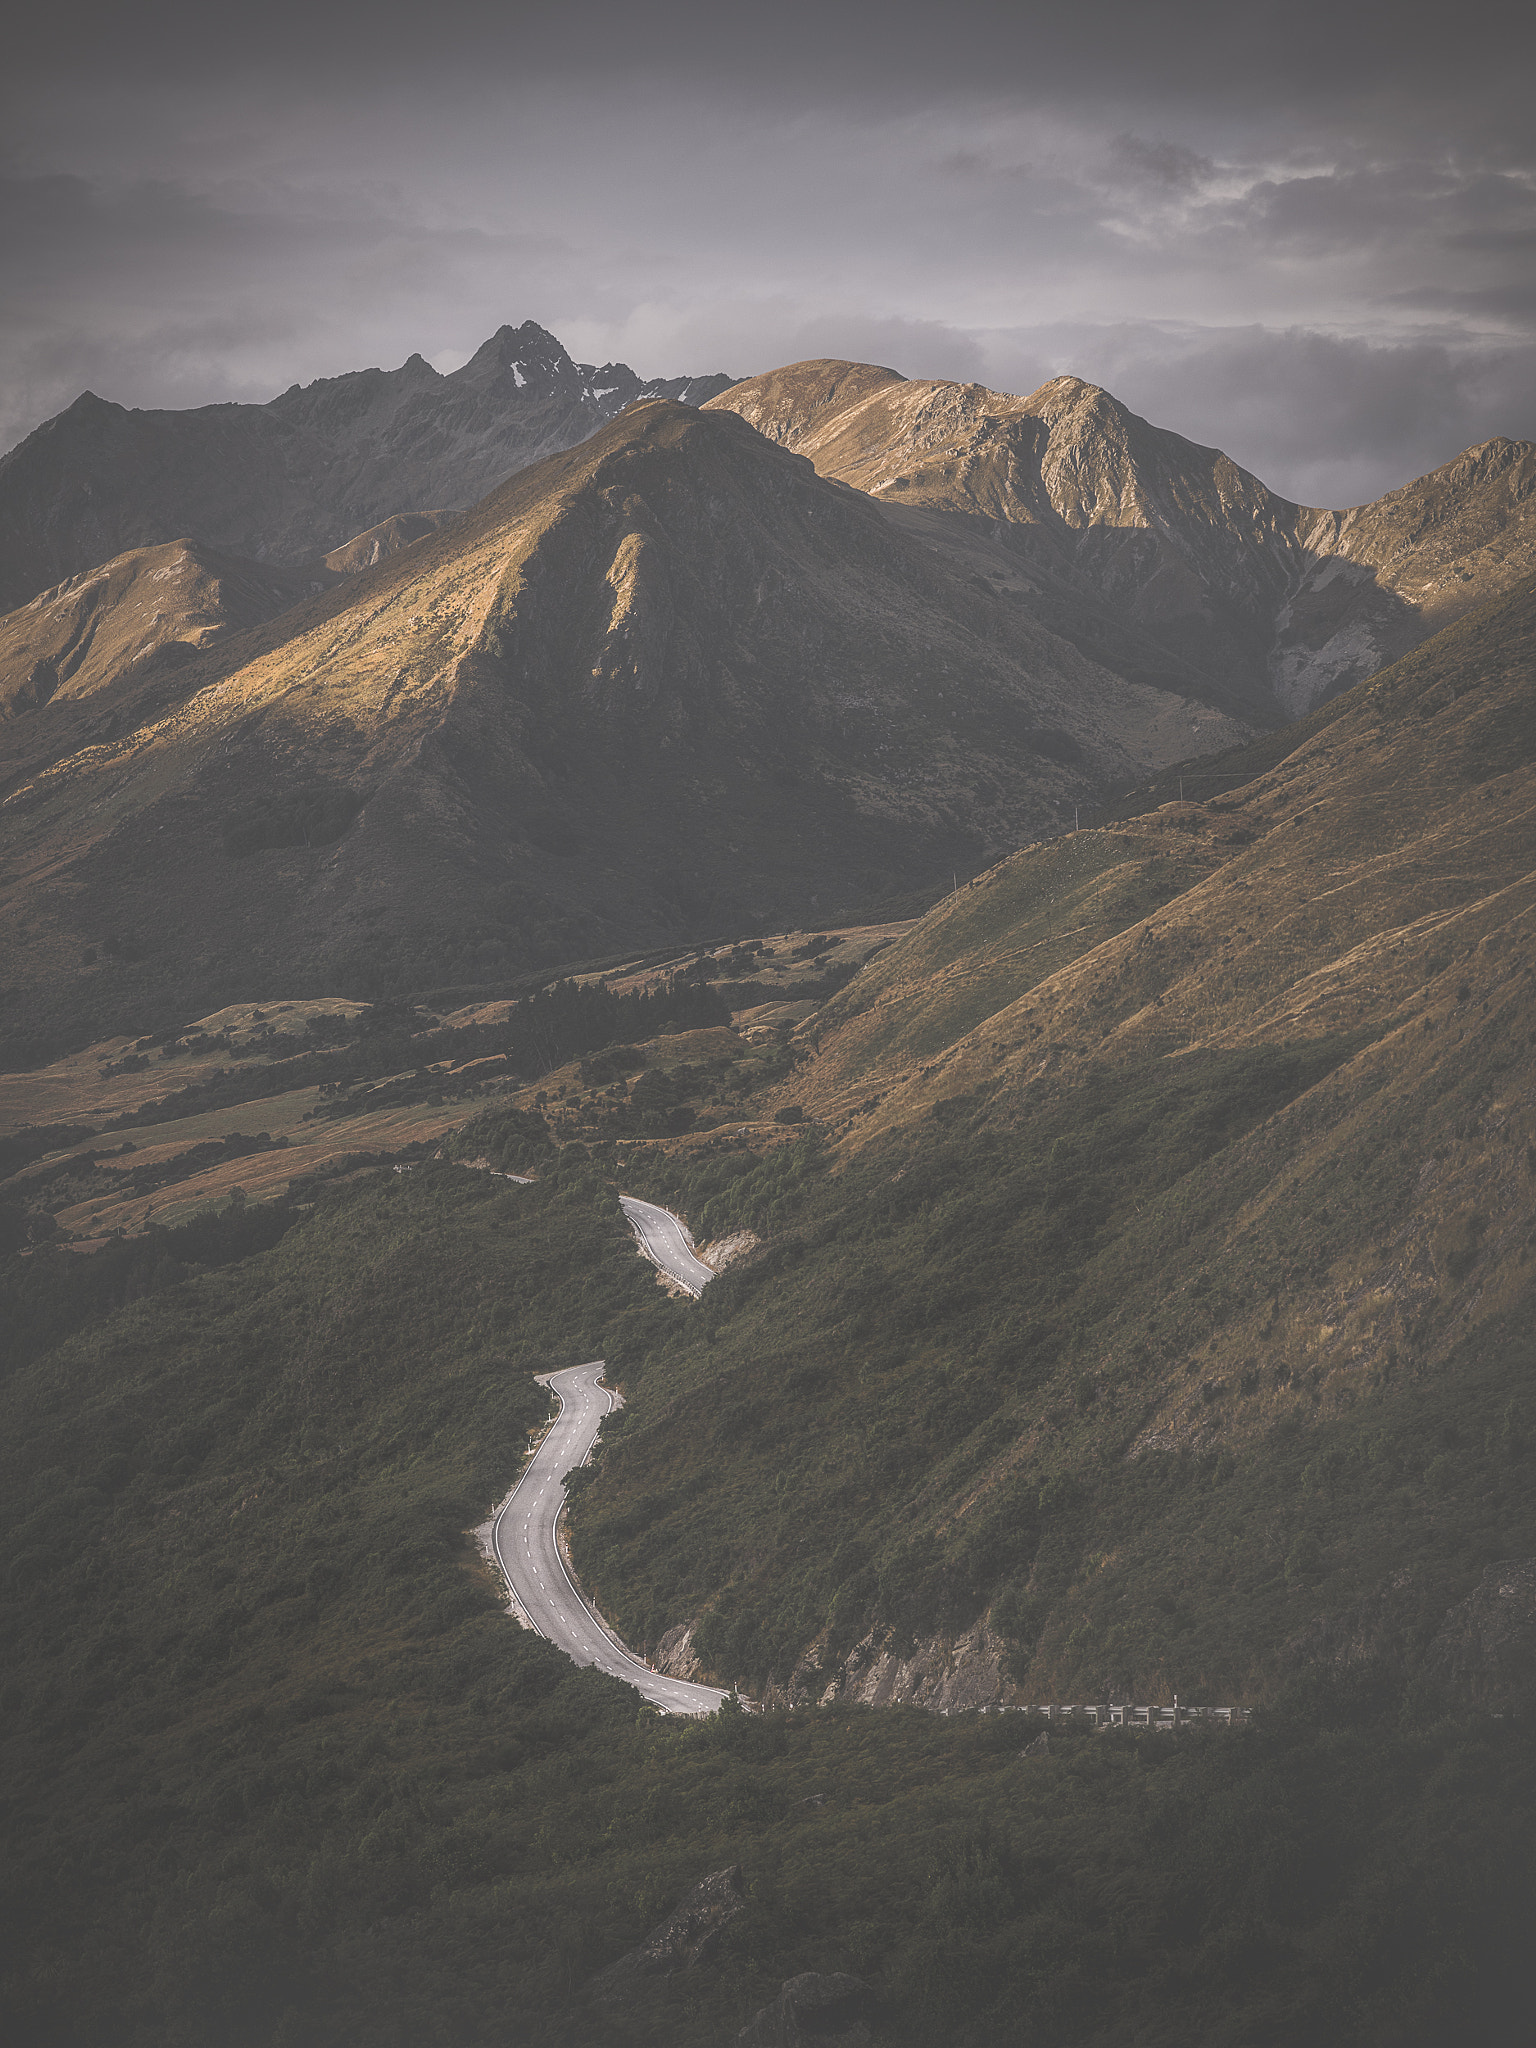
831, 2011
1382, 577
1485, 1649
730, 1251
945, 1674
675, 1655
683, 1939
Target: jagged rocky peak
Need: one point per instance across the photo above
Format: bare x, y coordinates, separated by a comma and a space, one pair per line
604, 610
300, 476
527, 354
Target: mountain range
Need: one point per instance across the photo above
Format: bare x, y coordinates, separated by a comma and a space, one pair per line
714, 654
1155, 555
1123, 1241
288, 481
669, 681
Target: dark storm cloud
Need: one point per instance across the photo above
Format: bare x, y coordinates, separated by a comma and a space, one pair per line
1132, 160
1311, 239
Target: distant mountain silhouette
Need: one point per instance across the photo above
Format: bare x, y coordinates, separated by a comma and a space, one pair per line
287, 481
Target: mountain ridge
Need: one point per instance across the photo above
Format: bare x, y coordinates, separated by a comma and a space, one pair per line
291, 479
666, 680
169, 602
1075, 499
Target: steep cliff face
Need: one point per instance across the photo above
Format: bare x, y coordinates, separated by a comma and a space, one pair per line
289, 480
1161, 558
670, 680
1379, 578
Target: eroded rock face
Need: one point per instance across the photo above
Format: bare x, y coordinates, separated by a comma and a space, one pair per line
684, 1938
945, 1674
832, 2011
1486, 1647
675, 1653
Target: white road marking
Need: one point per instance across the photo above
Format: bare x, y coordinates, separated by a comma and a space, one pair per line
664, 1239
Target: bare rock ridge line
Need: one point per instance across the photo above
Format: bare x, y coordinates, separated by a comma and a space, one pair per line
1159, 557
525, 1533
290, 480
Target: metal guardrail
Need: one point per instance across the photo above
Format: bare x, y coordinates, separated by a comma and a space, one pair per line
1127, 1715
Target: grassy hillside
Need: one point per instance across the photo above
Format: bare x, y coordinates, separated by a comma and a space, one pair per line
1168, 1286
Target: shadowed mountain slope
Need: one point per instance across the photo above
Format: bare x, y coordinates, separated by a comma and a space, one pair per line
288, 480
1160, 558
367, 550
669, 681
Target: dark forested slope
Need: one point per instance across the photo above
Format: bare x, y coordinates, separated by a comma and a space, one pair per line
279, 1771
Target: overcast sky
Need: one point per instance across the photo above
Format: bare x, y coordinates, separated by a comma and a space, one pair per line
1304, 234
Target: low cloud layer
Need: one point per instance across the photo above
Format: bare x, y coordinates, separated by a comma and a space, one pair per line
1325, 264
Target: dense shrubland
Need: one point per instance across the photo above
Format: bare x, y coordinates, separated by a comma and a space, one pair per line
280, 1772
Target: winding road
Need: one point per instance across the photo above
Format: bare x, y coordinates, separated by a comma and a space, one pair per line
526, 1540
525, 1533
665, 1241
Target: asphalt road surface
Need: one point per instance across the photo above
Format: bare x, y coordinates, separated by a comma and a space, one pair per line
524, 1536
664, 1239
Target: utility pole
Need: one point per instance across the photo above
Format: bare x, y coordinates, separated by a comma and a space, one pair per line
1074, 817
1181, 789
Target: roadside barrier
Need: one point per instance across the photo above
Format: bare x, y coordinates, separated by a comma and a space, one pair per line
1164, 1719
